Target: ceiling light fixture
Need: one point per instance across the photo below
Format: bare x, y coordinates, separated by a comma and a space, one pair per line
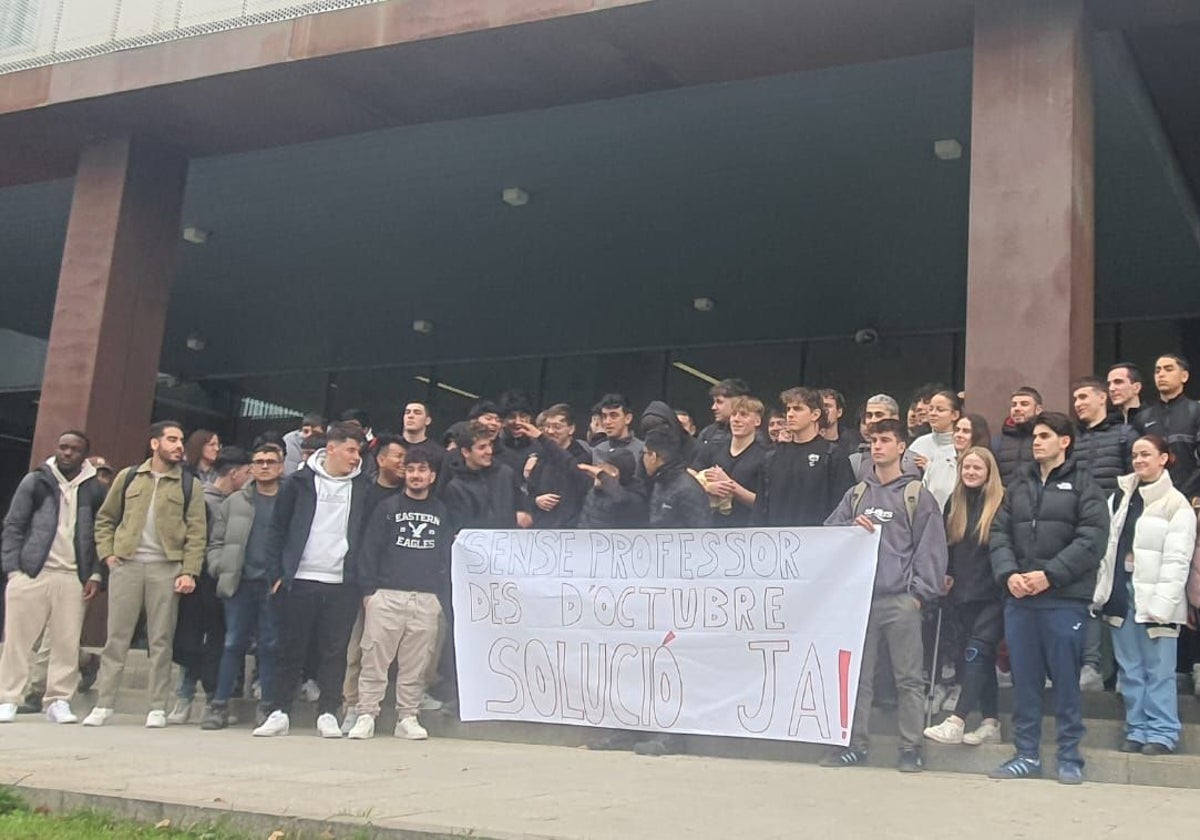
196, 343
425, 380
514, 197
703, 304
422, 326
195, 235
691, 371
949, 149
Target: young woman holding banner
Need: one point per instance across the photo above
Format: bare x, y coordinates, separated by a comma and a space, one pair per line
974, 596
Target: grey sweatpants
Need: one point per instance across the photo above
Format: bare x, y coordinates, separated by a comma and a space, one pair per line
895, 621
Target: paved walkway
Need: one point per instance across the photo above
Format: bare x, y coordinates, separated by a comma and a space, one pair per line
509, 790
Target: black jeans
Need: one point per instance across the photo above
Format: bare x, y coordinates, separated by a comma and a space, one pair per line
311, 612
983, 625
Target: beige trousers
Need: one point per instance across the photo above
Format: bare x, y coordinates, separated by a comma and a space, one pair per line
402, 626
133, 586
353, 663
51, 602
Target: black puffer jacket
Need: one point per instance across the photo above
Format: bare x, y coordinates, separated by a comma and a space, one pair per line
1060, 528
1105, 450
1178, 423
557, 471
1014, 449
676, 500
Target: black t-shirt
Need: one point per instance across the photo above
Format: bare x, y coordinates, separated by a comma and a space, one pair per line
746, 468
376, 493
803, 483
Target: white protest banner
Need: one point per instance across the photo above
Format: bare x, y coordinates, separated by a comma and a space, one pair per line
744, 632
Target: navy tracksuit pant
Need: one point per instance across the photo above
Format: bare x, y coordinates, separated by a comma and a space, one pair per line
1045, 637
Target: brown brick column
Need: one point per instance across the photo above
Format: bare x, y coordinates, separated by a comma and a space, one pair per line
1030, 277
111, 307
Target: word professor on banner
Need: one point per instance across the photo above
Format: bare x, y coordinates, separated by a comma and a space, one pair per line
740, 632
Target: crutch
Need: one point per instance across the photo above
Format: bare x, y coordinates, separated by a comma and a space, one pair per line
934, 670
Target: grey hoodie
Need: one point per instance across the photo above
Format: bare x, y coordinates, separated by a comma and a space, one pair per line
912, 558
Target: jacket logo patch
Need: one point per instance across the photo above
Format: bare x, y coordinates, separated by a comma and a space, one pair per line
1065, 485
814, 459
879, 514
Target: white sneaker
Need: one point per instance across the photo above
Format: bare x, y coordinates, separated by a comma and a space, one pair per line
987, 733
951, 701
98, 716
1090, 679
310, 692
156, 719
429, 703
949, 731
1004, 678
181, 714
348, 722
8, 712
277, 723
60, 712
363, 728
327, 726
411, 729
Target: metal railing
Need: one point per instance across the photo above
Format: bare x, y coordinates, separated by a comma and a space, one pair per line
34, 33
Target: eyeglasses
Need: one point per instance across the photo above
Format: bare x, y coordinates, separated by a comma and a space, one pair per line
260, 462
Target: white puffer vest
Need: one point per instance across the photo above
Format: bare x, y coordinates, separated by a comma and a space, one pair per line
1163, 540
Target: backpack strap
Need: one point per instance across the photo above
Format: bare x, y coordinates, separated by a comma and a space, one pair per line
856, 496
188, 481
912, 496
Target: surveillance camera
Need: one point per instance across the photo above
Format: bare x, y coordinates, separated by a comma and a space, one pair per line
866, 337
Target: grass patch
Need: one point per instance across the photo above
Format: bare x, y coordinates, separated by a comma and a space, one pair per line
18, 821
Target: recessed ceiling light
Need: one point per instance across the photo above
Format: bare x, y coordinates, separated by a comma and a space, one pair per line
422, 326
949, 149
515, 197
703, 304
195, 235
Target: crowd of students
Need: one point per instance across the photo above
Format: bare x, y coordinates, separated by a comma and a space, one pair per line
326, 551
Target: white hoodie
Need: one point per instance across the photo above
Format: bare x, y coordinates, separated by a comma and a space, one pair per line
325, 552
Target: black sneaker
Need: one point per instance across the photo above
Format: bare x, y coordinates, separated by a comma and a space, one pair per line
910, 761
1155, 748
88, 672
848, 757
1070, 773
216, 717
31, 705
1131, 746
1018, 767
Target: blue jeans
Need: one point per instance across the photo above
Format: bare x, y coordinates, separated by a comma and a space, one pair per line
1045, 636
1147, 678
248, 613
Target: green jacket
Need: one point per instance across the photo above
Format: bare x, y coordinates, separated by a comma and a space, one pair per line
183, 537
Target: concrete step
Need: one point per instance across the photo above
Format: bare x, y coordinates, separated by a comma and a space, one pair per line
1104, 716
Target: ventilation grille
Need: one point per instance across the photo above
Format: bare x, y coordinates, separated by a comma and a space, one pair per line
35, 33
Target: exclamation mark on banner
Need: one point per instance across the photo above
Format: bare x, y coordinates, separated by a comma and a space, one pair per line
844, 689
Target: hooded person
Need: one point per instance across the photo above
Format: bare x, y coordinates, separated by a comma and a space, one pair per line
616, 500
310, 555
50, 562
910, 572
676, 499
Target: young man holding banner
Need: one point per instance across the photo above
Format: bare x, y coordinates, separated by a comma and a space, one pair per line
910, 572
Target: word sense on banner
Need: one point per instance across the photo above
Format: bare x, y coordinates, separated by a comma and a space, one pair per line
739, 632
